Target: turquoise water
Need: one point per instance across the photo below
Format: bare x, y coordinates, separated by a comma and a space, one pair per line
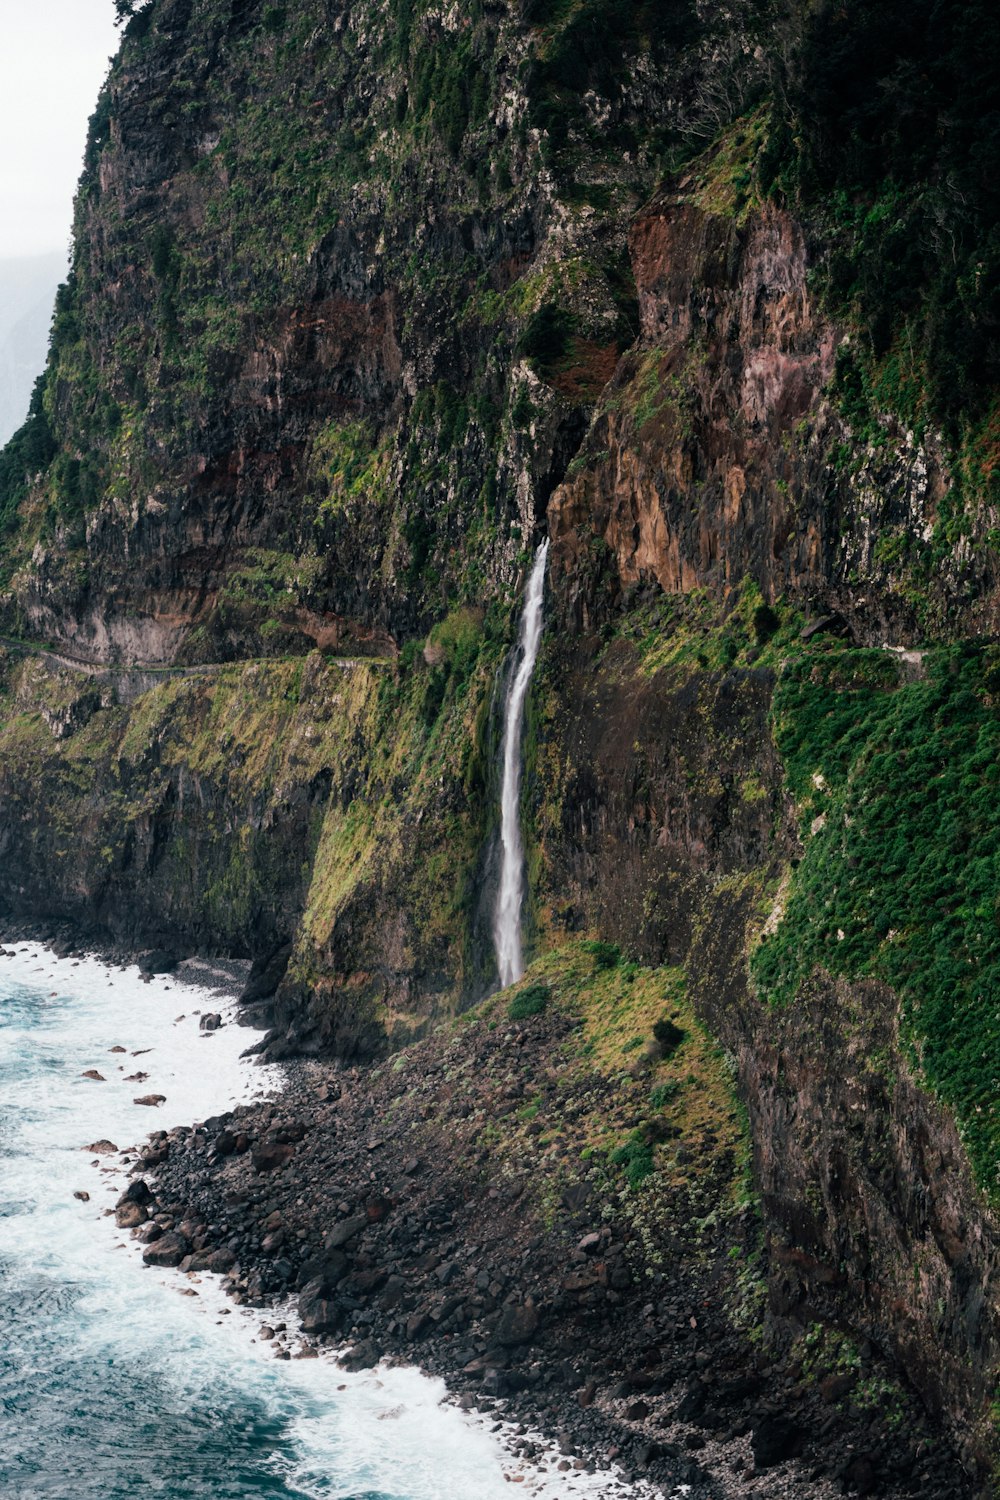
118, 1381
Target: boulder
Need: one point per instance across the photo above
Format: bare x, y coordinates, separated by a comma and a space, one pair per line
330, 1269
271, 1155
210, 1022
130, 1215
363, 1356
169, 1250
518, 1324
774, 1440
151, 1100
346, 1230
138, 1191
861, 1476
317, 1312
266, 974
102, 1148
158, 961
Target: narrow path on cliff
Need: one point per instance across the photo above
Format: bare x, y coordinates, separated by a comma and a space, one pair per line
62, 658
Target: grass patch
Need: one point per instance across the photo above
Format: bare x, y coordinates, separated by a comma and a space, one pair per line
900, 880
531, 1001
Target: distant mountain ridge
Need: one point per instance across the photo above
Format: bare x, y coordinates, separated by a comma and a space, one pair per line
27, 292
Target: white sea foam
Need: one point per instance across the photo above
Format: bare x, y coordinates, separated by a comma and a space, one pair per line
388, 1431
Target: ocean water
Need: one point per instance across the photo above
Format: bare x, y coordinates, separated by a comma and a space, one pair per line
117, 1380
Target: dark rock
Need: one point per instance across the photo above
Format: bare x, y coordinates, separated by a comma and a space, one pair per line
272, 1155
861, 1476
345, 1231
519, 1322
169, 1250
138, 1191
363, 1356
158, 961
774, 1440
210, 1022
266, 974
831, 624
318, 1313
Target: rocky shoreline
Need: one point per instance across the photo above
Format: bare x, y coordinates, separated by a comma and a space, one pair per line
407, 1212
384, 1199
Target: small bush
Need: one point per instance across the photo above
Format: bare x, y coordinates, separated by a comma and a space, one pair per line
664, 1094
547, 335
765, 623
636, 1156
530, 1002
605, 955
669, 1036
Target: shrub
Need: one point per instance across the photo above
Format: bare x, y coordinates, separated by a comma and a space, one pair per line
530, 1002
669, 1036
664, 1094
605, 955
765, 623
547, 336
636, 1156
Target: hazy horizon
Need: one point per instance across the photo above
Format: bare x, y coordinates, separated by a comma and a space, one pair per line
54, 59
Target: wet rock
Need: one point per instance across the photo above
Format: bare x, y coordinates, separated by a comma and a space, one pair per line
101, 1148
363, 1356
318, 1313
138, 1191
210, 1022
158, 961
169, 1250
130, 1215
94, 1076
150, 1100
265, 975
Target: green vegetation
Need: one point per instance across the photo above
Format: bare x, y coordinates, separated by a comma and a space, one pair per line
898, 787
636, 1156
605, 955
886, 131
29, 451
531, 1001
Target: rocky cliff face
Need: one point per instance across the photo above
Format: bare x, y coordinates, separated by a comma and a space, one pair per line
364, 300
718, 453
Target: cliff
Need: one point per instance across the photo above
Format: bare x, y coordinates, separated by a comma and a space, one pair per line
366, 299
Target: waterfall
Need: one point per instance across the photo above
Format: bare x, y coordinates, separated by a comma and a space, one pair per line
507, 923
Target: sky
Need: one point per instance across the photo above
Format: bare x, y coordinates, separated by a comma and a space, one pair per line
53, 58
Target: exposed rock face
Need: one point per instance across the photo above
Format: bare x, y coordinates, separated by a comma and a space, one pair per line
873, 1209
716, 455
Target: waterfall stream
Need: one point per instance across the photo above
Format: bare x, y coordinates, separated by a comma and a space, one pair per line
507, 924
